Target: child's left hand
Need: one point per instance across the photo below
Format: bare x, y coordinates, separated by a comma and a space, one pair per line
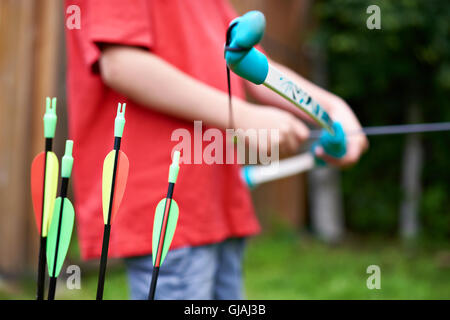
357, 144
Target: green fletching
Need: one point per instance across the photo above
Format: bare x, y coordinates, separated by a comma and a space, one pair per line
174, 167
68, 218
50, 118
67, 160
119, 123
170, 229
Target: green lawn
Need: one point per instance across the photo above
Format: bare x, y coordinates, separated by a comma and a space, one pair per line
287, 266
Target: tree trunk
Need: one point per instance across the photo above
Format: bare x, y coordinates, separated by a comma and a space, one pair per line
411, 182
325, 197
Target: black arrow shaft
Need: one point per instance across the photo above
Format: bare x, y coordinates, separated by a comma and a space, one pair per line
151, 295
103, 262
107, 228
394, 129
52, 289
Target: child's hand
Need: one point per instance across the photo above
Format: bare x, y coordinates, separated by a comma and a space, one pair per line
292, 132
357, 144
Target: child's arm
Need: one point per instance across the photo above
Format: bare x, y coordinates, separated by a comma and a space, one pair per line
152, 82
336, 107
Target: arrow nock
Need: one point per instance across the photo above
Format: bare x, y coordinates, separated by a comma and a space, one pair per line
67, 160
50, 118
119, 123
174, 167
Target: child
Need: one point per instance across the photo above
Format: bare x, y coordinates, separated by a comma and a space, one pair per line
164, 58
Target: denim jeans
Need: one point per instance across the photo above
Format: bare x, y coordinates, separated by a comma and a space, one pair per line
199, 273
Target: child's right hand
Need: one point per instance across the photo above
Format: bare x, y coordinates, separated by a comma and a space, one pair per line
292, 132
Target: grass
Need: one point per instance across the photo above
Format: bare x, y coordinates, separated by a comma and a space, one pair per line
288, 267
284, 265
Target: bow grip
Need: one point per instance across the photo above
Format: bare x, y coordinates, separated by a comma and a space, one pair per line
245, 32
333, 145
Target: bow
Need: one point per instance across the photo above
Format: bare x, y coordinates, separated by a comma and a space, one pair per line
246, 61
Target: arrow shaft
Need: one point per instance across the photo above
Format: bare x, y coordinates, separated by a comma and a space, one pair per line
107, 228
407, 128
41, 269
52, 288
43, 240
151, 295
395, 129
103, 262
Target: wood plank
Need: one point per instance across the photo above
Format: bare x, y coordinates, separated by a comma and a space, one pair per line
16, 36
30, 36
49, 24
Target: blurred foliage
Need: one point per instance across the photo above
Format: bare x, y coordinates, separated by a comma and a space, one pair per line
381, 73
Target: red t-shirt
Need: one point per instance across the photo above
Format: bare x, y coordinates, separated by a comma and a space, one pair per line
214, 203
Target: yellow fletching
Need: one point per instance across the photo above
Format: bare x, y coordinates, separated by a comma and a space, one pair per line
108, 169
51, 185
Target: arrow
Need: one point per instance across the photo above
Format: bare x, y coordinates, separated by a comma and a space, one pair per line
44, 182
115, 175
164, 224
395, 129
242, 35
254, 175
61, 225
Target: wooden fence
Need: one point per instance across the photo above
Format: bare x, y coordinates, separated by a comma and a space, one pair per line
31, 43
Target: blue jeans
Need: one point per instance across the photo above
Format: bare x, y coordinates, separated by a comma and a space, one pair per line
199, 273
